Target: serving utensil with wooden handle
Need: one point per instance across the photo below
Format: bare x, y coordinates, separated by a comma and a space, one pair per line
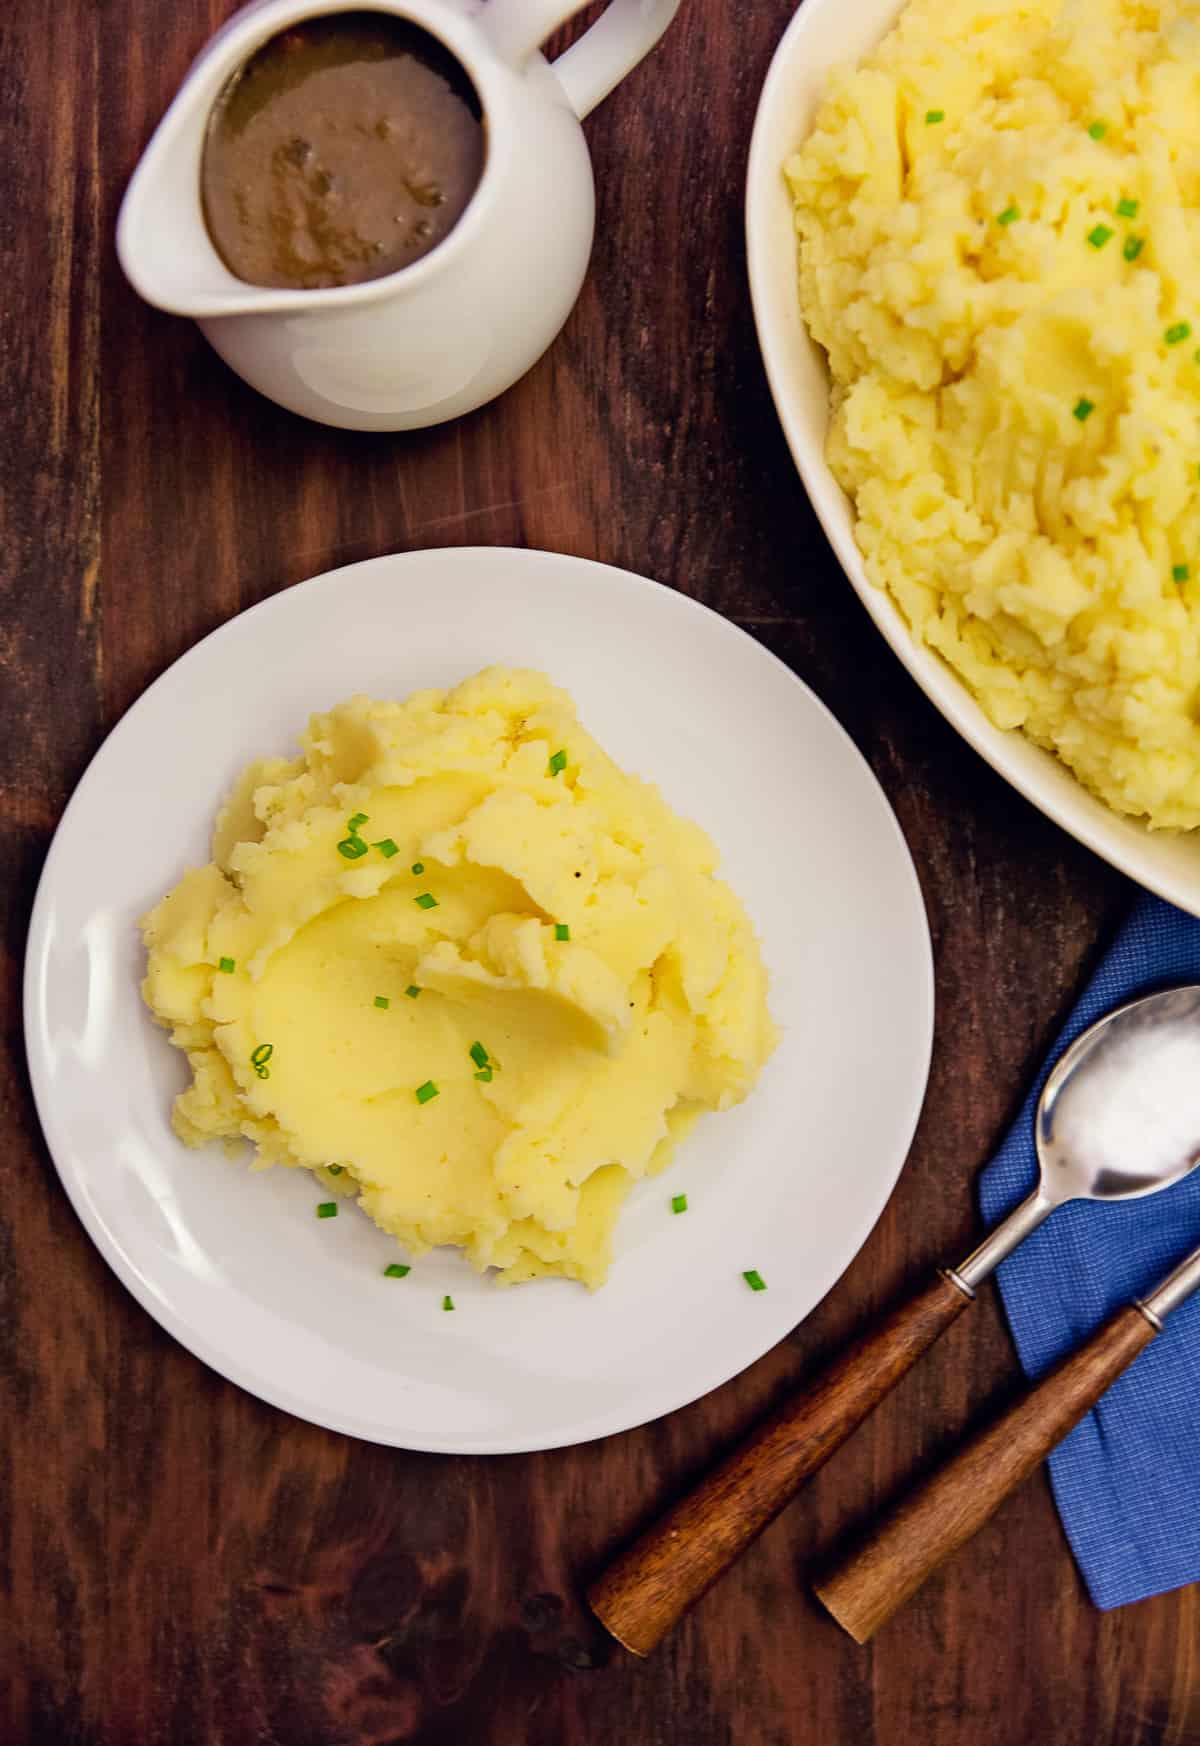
892, 1561
1092, 1102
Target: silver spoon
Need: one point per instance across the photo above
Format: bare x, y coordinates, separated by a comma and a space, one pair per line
1119, 1117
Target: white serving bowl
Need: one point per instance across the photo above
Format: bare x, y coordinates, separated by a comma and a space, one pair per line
823, 35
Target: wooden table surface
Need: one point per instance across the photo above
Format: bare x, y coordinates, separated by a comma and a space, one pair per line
180, 1564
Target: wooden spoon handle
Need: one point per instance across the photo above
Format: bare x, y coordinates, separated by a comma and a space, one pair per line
892, 1562
651, 1586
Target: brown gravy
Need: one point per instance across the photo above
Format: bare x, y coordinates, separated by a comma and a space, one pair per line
345, 148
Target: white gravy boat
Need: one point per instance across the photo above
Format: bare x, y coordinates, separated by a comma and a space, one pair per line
455, 328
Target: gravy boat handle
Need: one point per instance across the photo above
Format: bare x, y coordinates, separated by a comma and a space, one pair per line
623, 35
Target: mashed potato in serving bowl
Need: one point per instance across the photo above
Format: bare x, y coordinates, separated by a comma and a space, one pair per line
998, 211
456, 962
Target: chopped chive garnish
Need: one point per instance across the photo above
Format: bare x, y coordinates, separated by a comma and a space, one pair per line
352, 848
1010, 215
561, 931
1133, 247
387, 848
227, 966
755, 1280
352, 824
1083, 409
447, 1303
1101, 234
335, 1169
1127, 208
426, 1091
412, 991
478, 1054
1180, 572
933, 116
327, 1209
396, 1270
485, 1073
678, 1203
426, 901
382, 1002
1178, 332
1098, 129
259, 1059
558, 763
418, 867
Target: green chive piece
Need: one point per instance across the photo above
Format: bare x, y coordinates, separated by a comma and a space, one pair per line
558, 763
678, 1203
387, 848
447, 1303
426, 901
382, 1002
262, 1054
1127, 208
1180, 572
396, 1270
352, 824
1083, 409
485, 1073
1178, 332
352, 848
227, 966
327, 1209
755, 1280
335, 1169
933, 116
478, 1054
1098, 129
1010, 215
1133, 247
561, 931
418, 867
1100, 235
426, 1091
412, 991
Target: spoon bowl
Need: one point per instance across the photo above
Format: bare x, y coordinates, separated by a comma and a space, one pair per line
1118, 1118
1120, 1114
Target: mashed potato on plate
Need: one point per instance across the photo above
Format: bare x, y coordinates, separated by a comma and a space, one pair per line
456, 962
999, 235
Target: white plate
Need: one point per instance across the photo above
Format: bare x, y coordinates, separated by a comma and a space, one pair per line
822, 35
296, 1309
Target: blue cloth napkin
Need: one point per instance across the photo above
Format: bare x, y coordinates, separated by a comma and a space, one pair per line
1127, 1480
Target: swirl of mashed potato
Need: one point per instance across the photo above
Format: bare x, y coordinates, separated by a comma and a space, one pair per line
459, 964
999, 249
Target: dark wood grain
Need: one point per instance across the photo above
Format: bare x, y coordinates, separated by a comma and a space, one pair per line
903, 1548
646, 1591
183, 1566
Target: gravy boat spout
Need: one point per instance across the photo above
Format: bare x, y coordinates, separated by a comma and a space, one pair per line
162, 240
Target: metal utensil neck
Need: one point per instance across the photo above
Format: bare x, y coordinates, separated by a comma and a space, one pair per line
1021, 1223
1174, 1289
